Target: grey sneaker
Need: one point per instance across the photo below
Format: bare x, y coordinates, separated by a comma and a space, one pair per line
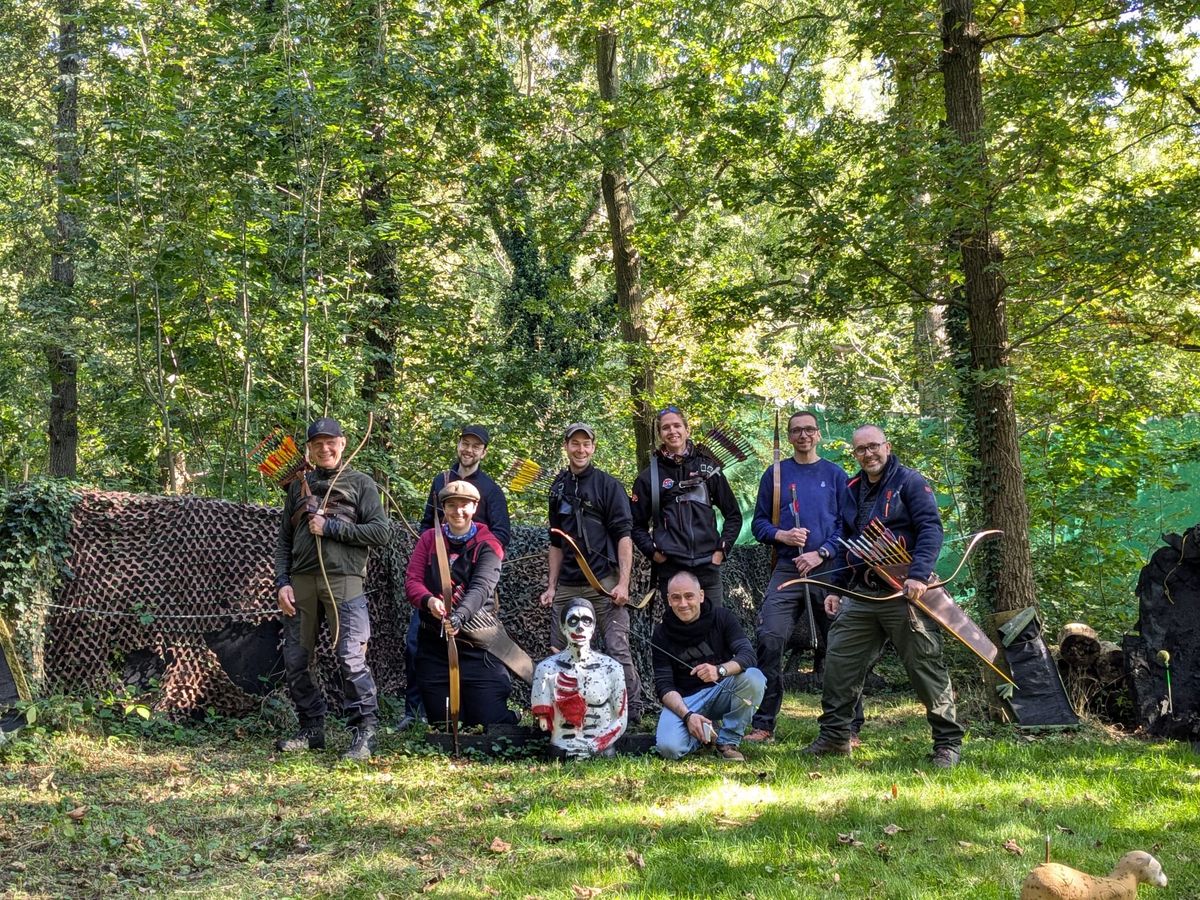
309, 737
945, 757
824, 746
363, 745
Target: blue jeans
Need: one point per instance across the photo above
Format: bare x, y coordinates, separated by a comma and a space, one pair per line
360, 701
730, 708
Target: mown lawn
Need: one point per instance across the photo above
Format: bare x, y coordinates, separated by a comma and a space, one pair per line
214, 814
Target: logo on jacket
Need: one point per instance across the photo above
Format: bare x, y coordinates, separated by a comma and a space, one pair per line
668, 483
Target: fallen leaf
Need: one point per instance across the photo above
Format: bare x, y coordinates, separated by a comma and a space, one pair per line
636, 859
728, 823
151, 830
585, 893
77, 813
430, 884
551, 838
965, 844
1014, 848
881, 848
425, 857
849, 839
433, 841
815, 776
499, 846
1063, 829
301, 843
895, 791
892, 829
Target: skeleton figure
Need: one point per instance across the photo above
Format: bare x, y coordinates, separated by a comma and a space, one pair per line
579, 695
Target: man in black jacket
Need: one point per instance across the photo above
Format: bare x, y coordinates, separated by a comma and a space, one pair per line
348, 524
492, 511
704, 674
674, 522
592, 507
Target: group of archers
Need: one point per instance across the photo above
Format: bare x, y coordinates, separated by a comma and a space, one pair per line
717, 689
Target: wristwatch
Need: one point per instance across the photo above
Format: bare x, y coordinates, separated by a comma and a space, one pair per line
823, 553
722, 671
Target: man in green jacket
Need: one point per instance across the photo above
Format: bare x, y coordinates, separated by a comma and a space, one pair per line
337, 527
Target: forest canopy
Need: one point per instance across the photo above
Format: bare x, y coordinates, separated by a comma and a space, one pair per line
977, 222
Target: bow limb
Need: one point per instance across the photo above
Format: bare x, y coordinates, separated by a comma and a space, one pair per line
841, 591
443, 561
971, 544
584, 567
337, 624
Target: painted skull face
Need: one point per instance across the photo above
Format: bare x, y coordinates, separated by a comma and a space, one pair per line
578, 625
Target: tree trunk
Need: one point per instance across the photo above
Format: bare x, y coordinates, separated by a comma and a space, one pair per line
627, 263
62, 365
382, 330
1005, 575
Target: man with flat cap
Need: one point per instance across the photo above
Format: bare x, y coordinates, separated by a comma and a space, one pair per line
492, 511
347, 521
592, 508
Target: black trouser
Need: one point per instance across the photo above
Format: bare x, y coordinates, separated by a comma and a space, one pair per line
776, 621
360, 698
484, 684
707, 574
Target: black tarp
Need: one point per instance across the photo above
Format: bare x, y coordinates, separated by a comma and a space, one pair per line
1040, 699
1168, 593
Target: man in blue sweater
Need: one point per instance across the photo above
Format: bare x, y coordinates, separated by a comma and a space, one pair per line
812, 510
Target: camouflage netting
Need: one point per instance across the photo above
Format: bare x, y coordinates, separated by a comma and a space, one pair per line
179, 591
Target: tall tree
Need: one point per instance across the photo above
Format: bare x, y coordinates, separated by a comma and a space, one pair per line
61, 360
1007, 566
627, 260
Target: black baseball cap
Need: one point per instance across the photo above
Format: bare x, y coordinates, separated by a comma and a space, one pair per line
325, 426
578, 426
477, 431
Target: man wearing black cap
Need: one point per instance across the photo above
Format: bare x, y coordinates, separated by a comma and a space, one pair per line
492, 511
348, 520
592, 507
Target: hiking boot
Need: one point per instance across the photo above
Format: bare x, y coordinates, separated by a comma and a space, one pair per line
406, 723
730, 752
824, 746
945, 757
309, 737
363, 745
760, 736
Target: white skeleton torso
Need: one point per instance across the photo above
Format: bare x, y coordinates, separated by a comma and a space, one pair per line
582, 699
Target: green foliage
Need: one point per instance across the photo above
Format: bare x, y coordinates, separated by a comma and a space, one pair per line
35, 523
393, 208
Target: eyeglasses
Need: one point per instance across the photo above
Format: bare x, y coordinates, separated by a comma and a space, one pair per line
867, 448
804, 429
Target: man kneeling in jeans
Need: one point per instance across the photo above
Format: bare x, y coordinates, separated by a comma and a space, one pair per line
704, 674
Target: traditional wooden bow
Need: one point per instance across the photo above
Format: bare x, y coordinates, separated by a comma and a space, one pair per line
443, 561
584, 567
880, 567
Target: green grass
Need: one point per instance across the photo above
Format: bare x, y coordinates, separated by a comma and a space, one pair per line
212, 814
